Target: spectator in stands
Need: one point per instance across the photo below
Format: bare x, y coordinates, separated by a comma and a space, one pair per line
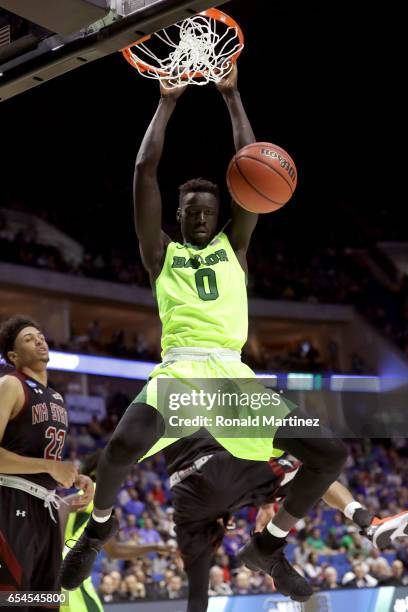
161, 561
152, 589
158, 493
372, 558
122, 592
347, 542
312, 569
402, 554
242, 585
117, 581
160, 589
225, 566
176, 589
134, 505
301, 553
149, 535
135, 589
140, 346
333, 541
166, 523
232, 543
130, 528
109, 564
381, 570
337, 531
395, 579
329, 579
73, 456
360, 546
124, 497
149, 474
360, 578
315, 541
84, 439
106, 590
94, 334
217, 584
256, 581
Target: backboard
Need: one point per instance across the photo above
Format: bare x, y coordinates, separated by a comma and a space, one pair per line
42, 40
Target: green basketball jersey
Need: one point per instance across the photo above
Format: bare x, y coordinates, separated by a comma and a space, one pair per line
202, 298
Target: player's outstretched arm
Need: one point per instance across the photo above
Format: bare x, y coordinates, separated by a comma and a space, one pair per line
146, 193
243, 222
130, 552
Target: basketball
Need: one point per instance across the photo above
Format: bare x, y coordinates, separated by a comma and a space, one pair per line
261, 177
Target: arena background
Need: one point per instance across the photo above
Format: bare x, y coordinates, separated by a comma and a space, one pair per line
328, 272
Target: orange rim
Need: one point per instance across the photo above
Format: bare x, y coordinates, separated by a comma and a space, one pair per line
211, 13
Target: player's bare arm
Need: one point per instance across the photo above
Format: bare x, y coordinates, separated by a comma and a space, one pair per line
115, 550
243, 222
146, 193
130, 552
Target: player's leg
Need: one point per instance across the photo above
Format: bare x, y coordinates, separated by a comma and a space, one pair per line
24, 524
138, 430
198, 575
380, 531
139, 433
340, 498
322, 461
322, 458
265, 514
220, 484
198, 534
337, 497
17, 540
233, 483
45, 576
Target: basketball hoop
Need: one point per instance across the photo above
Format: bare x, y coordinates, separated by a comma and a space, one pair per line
196, 51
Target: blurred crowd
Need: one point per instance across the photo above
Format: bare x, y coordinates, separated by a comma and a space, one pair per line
302, 356
325, 547
22, 247
327, 275
122, 343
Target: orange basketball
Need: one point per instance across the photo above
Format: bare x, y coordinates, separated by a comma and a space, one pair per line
261, 177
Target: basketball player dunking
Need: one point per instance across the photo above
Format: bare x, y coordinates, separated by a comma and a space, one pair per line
200, 286
33, 427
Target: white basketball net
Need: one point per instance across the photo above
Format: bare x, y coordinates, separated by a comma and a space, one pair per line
196, 47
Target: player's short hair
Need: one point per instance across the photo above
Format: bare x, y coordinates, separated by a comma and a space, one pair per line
199, 185
9, 331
